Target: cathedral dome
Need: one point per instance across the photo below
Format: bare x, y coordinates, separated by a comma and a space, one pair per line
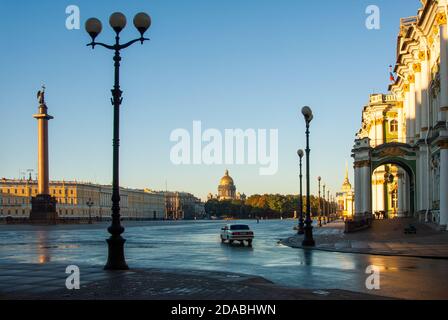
226, 180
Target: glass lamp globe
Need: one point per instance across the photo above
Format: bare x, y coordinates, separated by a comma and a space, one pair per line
117, 21
142, 22
307, 113
93, 27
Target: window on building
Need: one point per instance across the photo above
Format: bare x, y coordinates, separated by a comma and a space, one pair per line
394, 126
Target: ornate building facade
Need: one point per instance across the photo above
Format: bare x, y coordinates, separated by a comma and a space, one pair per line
402, 147
73, 198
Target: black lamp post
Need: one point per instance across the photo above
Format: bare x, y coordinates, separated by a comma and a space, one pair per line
89, 203
319, 179
300, 153
308, 240
116, 259
324, 204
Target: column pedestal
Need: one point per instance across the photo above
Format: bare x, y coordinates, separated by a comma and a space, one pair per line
43, 209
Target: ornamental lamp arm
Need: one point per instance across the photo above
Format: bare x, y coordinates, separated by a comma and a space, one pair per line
93, 44
141, 39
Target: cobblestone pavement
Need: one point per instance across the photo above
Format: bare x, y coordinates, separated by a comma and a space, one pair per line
386, 237
43, 282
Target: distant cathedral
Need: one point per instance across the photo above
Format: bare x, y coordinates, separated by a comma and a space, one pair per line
346, 198
227, 190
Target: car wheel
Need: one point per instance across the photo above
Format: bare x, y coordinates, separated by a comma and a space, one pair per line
249, 242
231, 241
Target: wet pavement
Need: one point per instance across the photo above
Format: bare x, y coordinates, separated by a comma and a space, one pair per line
196, 246
385, 237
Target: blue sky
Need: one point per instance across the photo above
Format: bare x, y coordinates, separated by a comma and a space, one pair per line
230, 64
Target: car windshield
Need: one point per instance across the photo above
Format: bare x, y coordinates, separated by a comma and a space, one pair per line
239, 227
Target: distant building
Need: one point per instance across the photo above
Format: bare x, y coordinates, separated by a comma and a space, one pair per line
72, 198
183, 205
346, 198
227, 190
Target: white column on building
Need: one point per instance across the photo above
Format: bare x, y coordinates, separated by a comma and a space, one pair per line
400, 195
443, 31
412, 108
444, 185
374, 194
380, 194
418, 98
358, 191
406, 117
424, 81
367, 188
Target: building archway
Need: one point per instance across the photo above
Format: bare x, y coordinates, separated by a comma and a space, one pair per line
393, 189
367, 160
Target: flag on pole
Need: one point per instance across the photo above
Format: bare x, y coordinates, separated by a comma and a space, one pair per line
391, 74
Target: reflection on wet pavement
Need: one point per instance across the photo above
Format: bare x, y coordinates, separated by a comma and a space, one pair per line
196, 245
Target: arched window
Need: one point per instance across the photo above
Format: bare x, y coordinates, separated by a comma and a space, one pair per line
394, 126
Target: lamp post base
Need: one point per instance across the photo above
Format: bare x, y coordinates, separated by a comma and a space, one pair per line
308, 241
116, 260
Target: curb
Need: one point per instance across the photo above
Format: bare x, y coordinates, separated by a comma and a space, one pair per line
373, 253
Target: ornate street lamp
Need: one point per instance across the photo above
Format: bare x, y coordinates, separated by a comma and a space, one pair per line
301, 230
308, 240
142, 22
89, 203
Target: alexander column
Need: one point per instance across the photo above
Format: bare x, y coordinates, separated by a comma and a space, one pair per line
43, 206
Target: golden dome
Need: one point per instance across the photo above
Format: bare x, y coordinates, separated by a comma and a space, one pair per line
346, 186
226, 180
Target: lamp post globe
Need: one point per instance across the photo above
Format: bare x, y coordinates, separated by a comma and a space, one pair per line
117, 21
93, 27
142, 22
307, 113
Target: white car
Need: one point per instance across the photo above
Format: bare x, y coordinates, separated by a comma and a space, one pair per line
237, 232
